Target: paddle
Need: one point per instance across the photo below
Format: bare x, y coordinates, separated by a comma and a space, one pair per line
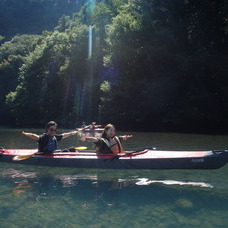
80, 148
23, 157
117, 156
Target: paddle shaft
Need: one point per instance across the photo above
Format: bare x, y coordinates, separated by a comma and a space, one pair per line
23, 157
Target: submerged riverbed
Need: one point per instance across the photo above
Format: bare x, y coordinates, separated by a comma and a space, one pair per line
33, 196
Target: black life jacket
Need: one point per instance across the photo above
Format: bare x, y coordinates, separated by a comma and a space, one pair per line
43, 142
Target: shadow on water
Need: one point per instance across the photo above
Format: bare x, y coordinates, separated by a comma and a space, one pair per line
125, 198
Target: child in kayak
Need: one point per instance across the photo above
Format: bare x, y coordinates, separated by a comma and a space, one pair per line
108, 142
47, 142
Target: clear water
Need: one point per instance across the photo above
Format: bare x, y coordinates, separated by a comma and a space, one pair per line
33, 196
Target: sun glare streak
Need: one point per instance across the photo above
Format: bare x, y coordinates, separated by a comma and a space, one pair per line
90, 45
90, 9
79, 102
84, 101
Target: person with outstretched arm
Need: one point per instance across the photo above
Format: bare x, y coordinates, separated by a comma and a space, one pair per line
108, 142
48, 141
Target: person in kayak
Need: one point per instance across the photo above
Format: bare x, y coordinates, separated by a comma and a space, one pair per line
92, 126
47, 142
108, 142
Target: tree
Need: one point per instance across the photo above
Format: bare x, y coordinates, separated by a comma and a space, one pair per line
12, 56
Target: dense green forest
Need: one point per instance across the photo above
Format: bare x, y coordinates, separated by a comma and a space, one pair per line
147, 65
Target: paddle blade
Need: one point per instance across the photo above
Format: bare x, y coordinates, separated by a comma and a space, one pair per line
80, 148
22, 157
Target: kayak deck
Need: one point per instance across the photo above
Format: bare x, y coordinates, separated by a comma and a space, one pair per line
153, 154
144, 159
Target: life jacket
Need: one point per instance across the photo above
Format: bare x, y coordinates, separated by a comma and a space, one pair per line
113, 146
43, 142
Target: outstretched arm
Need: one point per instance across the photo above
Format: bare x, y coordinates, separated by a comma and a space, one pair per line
66, 135
125, 137
90, 139
31, 135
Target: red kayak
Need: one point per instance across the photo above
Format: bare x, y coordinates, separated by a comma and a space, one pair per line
144, 159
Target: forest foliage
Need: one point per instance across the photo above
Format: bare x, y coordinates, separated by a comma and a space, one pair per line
149, 65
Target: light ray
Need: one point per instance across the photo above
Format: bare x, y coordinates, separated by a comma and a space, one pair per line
90, 46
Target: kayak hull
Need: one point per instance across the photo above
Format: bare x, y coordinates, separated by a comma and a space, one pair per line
145, 159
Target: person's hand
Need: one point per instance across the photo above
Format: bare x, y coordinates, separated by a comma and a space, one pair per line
127, 136
83, 138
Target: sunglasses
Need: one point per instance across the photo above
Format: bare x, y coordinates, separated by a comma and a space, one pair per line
53, 129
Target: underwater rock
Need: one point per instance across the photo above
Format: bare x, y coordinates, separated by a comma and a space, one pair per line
184, 203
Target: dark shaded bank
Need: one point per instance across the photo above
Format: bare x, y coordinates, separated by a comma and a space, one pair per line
216, 128
154, 66
212, 129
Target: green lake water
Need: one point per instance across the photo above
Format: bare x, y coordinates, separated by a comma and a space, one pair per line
33, 196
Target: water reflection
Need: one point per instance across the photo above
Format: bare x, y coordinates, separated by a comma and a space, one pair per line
100, 184
125, 198
145, 181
